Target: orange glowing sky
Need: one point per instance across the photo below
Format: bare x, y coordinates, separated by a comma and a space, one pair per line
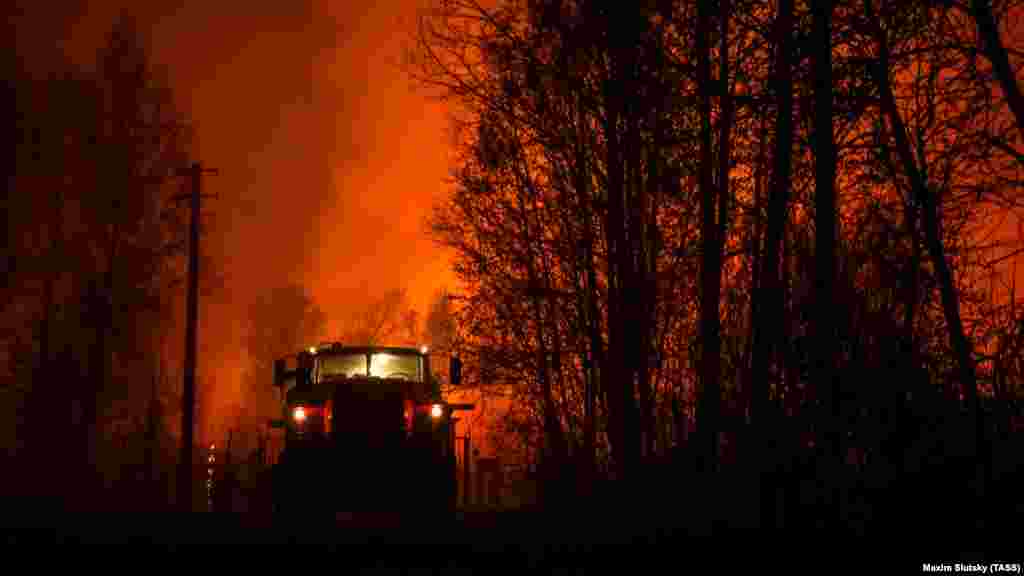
329, 160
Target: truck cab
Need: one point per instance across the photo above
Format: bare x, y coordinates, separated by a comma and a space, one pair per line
366, 428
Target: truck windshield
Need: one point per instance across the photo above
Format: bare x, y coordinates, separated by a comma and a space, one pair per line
341, 365
404, 366
381, 365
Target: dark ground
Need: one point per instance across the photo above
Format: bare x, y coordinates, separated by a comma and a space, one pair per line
579, 533
894, 522
513, 542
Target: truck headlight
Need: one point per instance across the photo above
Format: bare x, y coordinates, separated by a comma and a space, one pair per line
436, 411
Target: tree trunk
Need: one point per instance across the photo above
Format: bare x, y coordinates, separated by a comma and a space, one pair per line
725, 127
825, 234
768, 302
755, 256
618, 383
988, 31
636, 325
592, 314
711, 271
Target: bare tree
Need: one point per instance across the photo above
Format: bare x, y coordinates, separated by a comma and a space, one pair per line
379, 323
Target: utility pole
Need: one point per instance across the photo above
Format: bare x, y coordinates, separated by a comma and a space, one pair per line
185, 475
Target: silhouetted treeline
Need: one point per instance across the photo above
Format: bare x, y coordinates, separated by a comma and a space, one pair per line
770, 240
92, 271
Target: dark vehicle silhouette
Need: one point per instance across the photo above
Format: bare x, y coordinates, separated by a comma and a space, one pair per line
366, 430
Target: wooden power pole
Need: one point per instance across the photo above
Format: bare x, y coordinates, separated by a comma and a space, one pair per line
185, 472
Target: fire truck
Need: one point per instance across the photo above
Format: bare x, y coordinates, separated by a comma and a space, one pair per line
367, 429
